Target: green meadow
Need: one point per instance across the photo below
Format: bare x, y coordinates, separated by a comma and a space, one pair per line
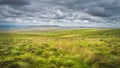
72, 48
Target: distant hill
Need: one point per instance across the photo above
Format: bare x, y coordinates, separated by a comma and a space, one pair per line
44, 26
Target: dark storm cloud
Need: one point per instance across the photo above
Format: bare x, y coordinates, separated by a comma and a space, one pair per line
98, 11
14, 2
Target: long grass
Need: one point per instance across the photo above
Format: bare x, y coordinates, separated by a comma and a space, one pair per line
75, 48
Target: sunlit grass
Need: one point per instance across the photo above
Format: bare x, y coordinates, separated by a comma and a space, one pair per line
76, 48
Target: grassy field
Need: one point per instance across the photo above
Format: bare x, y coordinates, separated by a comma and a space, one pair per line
73, 48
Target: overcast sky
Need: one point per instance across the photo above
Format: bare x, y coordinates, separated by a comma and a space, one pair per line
63, 12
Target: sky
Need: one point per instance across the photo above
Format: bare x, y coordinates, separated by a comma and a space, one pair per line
61, 12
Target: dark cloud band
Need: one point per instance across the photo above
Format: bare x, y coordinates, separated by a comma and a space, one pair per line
14, 2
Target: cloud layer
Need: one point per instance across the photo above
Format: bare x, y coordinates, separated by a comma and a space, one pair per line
80, 12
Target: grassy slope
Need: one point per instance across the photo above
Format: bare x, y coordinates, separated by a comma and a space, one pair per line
79, 48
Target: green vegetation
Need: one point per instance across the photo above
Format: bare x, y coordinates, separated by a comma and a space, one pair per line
75, 48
